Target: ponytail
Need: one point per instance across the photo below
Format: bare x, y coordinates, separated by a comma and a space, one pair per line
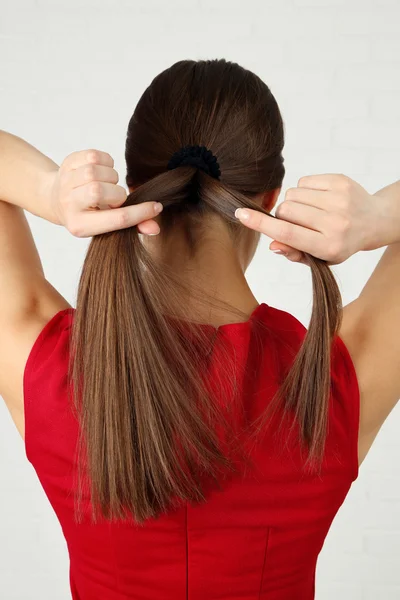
305, 390
148, 423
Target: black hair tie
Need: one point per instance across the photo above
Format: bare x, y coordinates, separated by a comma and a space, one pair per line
196, 156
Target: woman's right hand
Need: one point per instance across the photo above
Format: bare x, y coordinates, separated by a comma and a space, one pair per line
85, 197
328, 216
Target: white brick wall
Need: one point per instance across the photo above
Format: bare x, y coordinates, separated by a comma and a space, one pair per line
71, 73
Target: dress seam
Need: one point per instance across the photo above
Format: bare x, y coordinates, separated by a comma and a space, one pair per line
264, 561
187, 552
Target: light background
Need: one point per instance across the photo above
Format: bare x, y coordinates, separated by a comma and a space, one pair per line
71, 74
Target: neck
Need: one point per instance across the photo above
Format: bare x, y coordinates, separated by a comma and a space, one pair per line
218, 267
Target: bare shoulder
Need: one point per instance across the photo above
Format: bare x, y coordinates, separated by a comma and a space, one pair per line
17, 337
370, 331
27, 302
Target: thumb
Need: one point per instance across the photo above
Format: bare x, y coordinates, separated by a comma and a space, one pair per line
290, 253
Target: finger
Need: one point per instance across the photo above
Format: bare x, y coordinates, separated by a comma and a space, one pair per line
287, 251
82, 157
297, 258
327, 181
149, 227
91, 172
98, 193
322, 199
300, 214
91, 223
301, 238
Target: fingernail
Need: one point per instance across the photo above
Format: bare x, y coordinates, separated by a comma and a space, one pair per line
158, 207
152, 233
242, 214
279, 252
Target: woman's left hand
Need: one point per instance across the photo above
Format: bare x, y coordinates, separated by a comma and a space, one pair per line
86, 199
327, 216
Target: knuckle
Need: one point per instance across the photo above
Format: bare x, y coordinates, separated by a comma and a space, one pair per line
345, 182
90, 172
334, 250
150, 211
93, 156
95, 190
285, 209
290, 193
122, 219
304, 181
120, 192
74, 228
257, 220
286, 234
69, 159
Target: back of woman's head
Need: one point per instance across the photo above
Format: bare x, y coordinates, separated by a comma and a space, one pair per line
213, 103
147, 418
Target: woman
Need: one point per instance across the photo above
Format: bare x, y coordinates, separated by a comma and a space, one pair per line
192, 442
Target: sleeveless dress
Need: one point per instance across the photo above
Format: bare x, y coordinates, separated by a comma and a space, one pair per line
256, 538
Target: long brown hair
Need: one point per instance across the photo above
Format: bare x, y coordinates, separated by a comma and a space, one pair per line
148, 421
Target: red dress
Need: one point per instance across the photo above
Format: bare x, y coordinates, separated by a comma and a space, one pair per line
257, 538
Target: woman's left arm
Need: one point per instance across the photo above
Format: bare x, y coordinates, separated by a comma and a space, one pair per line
25, 174
27, 299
